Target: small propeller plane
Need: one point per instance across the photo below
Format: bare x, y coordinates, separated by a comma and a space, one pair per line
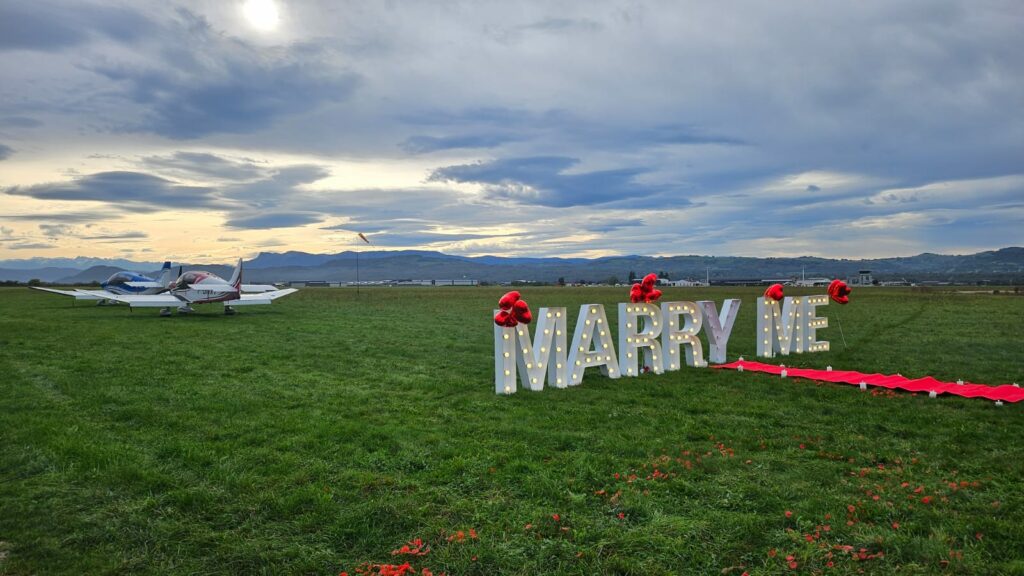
199, 287
122, 283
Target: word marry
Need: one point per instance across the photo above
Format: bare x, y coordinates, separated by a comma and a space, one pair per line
651, 338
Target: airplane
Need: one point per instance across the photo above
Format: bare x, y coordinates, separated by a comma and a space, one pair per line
132, 283
122, 282
200, 287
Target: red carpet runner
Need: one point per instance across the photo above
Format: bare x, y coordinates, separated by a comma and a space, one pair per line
1006, 392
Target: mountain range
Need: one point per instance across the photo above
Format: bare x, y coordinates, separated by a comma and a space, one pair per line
1004, 266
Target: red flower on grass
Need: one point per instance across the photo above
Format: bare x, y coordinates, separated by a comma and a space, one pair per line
644, 291
414, 547
513, 311
839, 292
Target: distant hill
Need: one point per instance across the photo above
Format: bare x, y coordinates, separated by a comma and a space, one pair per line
1004, 266
48, 274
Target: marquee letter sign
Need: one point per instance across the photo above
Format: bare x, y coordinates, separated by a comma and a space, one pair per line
652, 337
719, 327
684, 322
592, 345
543, 356
793, 329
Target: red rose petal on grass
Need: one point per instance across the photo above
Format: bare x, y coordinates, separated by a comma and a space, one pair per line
895, 525
472, 533
772, 553
556, 517
789, 514
793, 565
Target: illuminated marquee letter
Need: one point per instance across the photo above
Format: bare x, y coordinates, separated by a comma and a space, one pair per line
684, 320
535, 359
775, 328
812, 323
718, 328
632, 340
791, 330
592, 327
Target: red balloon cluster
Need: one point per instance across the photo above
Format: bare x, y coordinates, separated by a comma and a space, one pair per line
774, 292
513, 311
644, 291
839, 292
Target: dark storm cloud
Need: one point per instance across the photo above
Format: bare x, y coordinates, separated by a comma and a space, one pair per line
129, 190
205, 83
47, 26
5, 152
544, 181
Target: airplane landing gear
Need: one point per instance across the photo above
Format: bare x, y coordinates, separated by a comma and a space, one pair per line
185, 309
229, 311
102, 303
165, 311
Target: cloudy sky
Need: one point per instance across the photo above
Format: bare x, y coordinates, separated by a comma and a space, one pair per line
204, 130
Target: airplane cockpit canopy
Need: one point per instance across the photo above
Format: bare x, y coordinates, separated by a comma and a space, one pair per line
191, 277
123, 277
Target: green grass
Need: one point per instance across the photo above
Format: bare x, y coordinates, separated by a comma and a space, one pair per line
325, 431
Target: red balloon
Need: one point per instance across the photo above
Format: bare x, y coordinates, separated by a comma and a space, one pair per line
521, 312
774, 292
839, 292
508, 300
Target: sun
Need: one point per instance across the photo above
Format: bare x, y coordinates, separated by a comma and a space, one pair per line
261, 14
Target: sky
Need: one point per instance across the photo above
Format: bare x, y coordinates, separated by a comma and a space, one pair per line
204, 131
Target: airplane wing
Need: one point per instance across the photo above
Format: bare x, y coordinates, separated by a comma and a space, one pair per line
79, 294
258, 288
147, 300
261, 298
145, 284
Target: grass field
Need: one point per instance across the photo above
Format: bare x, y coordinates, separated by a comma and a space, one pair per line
324, 432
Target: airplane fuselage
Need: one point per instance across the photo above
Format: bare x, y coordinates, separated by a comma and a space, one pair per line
200, 287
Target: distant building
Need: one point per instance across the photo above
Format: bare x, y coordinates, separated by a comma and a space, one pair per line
811, 282
680, 283
864, 278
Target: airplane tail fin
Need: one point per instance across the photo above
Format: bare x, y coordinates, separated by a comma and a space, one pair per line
236, 276
166, 275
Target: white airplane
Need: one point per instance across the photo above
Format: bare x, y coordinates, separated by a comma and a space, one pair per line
132, 283
122, 283
199, 287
